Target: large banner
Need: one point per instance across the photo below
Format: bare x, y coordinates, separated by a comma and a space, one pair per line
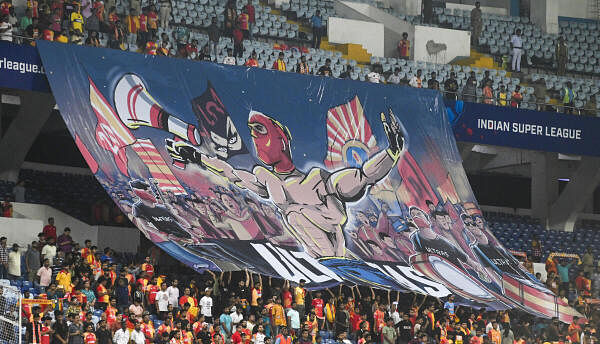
21, 68
294, 176
527, 129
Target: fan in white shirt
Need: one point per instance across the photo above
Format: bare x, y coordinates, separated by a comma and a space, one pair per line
206, 303
162, 298
229, 59
122, 334
173, 293
137, 336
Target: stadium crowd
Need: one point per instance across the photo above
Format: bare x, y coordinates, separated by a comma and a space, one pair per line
143, 29
100, 297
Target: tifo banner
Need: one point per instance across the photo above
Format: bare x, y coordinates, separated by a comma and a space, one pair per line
21, 67
527, 129
299, 177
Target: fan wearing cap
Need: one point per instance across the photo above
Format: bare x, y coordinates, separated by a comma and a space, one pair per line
152, 216
312, 203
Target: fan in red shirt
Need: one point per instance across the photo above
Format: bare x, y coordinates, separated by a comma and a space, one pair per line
252, 61
355, 319
151, 291
46, 330
147, 267
286, 295
191, 49
49, 229
318, 304
89, 337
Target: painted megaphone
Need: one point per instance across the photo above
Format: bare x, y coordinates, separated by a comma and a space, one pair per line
136, 107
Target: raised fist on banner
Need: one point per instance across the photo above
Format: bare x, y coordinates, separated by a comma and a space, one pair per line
394, 132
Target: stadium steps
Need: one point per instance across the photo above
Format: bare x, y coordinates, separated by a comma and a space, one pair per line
349, 51
478, 59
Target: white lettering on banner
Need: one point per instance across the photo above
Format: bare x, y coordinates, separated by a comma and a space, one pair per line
404, 275
433, 288
320, 267
290, 268
529, 129
21, 67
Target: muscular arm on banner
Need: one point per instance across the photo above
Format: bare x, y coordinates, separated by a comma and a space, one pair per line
184, 152
349, 183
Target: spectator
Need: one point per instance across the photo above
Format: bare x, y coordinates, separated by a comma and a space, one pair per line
394, 78
293, 318
243, 22
279, 64
488, 96
65, 241
6, 209
25, 22
517, 47
137, 336
49, 250
164, 13
568, 98
562, 55
451, 87
92, 39
49, 230
317, 28
121, 336
191, 49
76, 330
56, 21
388, 332
249, 8
507, 334
432, 83
404, 47
76, 19
427, 9
6, 30
302, 67
229, 59
539, 90
14, 263
485, 79
92, 23
230, 17
181, 34
476, 23
325, 70
516, 97
133, 25
32, 261
238, 41
470, 89
214, 34
588, 261
44, 274
502, 99
347, 74
416, 81
152, 18
3, 259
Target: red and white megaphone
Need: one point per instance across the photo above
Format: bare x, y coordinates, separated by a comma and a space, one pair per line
136, 107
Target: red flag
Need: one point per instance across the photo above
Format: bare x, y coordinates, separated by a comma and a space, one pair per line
111, 133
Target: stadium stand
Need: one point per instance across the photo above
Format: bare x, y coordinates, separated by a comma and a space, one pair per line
82, 277
287, 28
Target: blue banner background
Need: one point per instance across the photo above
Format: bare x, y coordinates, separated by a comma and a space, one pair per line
405, 230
